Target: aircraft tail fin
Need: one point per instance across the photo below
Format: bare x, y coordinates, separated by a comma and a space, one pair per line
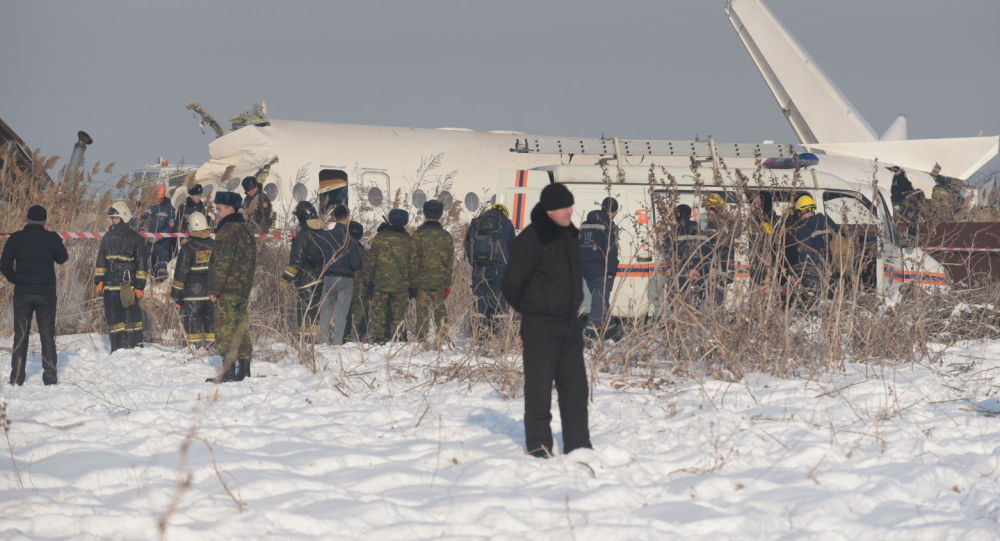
815, 108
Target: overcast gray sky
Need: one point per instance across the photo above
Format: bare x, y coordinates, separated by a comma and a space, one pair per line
123, 70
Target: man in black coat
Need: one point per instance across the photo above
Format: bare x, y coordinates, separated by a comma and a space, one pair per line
28, 263
543, 283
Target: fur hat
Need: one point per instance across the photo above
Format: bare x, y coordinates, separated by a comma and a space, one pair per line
398, 217
231, 199
433, 209
195, 190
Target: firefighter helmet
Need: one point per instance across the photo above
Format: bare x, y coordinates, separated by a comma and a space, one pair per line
502, 208
805, 203
713, 201
197, 222
119, 209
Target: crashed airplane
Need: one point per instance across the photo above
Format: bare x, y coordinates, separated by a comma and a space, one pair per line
376, 167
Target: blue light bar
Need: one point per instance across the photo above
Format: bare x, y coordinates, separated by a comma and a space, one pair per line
807, 159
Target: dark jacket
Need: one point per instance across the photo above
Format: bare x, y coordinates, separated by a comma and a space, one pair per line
257, 211
312, 250
434, 257
716, 249
234, 259
191, 270
349, 253
598, 246
683, 249
543, 276
184, 213
121, 258
160, 218
812, 238
29, 258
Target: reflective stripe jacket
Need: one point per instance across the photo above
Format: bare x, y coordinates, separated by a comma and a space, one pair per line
812, 238
191, 272
121, 258
598, 246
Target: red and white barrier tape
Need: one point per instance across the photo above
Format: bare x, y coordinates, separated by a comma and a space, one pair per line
88, 235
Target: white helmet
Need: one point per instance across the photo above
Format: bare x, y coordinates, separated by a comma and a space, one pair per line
197, 222
119, 209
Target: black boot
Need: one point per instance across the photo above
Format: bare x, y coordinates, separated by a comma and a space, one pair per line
226, 377
244, 369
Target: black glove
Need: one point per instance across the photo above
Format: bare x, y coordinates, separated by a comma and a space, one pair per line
413, 292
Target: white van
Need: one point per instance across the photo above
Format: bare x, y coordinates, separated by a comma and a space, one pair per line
848, 203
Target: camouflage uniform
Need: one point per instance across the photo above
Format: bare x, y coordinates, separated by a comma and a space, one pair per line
257, 211
432, 265
230, 278
121, 260
390, 279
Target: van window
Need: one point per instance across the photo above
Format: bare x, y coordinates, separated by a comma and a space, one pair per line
849, 209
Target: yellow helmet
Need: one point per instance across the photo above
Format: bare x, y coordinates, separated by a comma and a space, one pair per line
804, 203
502, 208
713, 201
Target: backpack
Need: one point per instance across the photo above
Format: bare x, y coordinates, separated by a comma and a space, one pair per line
486, 249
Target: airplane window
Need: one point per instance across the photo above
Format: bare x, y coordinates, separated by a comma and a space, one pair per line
299, 192
446, 198
375, 196
472, 202
419, 198
271, 190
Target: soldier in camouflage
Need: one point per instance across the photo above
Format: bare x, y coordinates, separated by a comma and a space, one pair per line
190, 287
257, 209
230, 279
121, 269
434, 257
390, 277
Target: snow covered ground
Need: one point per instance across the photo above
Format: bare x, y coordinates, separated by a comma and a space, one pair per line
875, 453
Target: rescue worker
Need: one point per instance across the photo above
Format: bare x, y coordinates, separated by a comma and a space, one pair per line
161, 218
715, 270
433, 261
487, 250
543, 283
230, 279
192, 204
28, 261
120, 276
390, 277
599, 262
338, 279
358, 320
256, 207
312, 249
190, 287
685, 253
812, 234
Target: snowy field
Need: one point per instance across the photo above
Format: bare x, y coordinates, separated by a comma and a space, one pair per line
365, 450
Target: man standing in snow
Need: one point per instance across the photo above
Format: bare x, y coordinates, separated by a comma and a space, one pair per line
28, 262
543, 283
434, 257
120, 277
230, 278
599, 262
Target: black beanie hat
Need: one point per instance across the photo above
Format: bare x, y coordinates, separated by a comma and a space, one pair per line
433, 209
37, 215
610, 204
249, 183
195, 190
340, 212
232, 199
556, 196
